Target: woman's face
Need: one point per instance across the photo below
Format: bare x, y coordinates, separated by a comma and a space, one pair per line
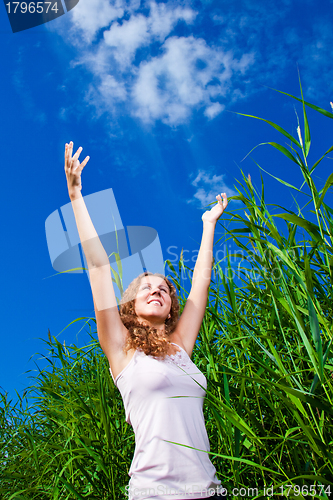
153, 301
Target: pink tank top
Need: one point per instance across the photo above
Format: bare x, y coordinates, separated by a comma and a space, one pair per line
163, 402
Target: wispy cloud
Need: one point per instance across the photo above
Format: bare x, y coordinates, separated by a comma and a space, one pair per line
91, 16
128, 36
165, 60
142, 67
208, 186
189, 74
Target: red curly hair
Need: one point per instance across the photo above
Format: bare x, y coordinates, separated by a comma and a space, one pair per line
141, 336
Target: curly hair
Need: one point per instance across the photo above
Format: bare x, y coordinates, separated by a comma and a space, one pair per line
142, 336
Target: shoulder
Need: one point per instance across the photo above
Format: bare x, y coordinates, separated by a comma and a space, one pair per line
177, 339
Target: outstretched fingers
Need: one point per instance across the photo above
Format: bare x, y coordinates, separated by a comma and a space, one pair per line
223, 201
77, 154
71, 161
68, 155
85, 161
80, 166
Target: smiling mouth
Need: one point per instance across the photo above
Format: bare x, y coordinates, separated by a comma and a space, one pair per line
155, 302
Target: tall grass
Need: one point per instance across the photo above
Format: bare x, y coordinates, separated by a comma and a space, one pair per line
76, 443
272, 361
265, 346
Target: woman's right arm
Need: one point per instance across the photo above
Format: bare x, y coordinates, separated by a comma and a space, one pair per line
111, 331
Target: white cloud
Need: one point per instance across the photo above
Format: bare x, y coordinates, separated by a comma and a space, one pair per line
163, 18
169, 59
134, 56
90, 16
140, 31
213, 110
110, 86
127, 37
208, 187
187, 75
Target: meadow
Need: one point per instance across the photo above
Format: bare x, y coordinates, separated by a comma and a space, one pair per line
265, 347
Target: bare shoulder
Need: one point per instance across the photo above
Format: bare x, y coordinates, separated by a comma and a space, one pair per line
177, 339
112, 335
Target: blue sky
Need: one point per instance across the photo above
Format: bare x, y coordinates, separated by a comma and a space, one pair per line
146, 88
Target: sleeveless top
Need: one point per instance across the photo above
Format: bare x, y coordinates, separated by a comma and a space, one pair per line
163, 402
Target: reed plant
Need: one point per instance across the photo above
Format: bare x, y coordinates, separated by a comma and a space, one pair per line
267, 337
76, 443
265, 347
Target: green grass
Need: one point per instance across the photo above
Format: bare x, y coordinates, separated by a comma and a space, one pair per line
265, 346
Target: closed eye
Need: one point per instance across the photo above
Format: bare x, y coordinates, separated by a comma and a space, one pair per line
148, 287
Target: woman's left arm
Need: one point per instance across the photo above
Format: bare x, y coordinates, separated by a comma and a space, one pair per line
190, 321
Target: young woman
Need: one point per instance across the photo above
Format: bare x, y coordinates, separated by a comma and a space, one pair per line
149, 349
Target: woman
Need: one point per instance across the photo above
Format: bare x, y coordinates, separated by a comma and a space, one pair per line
149, 350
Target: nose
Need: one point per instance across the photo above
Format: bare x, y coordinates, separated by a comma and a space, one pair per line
155, 290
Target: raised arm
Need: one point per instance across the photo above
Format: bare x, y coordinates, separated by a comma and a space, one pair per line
190, 321
110, 329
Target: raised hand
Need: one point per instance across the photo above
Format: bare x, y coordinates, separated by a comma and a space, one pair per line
73, 169
215, 213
